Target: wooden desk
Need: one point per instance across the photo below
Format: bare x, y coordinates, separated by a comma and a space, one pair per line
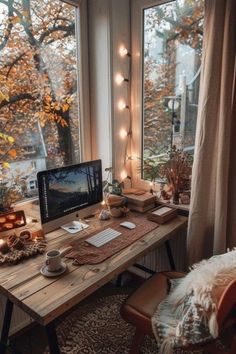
45, 299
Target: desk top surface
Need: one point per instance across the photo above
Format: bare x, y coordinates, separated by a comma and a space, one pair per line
47, 298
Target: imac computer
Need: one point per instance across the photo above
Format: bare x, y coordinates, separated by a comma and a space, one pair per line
69, 193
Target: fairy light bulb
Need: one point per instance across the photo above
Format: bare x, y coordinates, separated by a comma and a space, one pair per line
123, 174
103, 203
151, 184
123, 133
119, 79
123, 51
121, 105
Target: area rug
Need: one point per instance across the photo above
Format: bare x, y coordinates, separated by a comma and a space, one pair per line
97, 328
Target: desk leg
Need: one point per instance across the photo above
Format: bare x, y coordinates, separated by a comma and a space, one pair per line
170, 255
6, 326
52, 338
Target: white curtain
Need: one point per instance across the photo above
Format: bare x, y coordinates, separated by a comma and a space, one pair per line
212, 219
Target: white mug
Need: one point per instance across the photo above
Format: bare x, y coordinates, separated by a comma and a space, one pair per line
53, 260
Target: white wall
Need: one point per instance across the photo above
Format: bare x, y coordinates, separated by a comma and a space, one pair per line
109, 28
100, 68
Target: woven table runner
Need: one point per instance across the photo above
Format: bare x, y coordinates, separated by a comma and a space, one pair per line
84, 253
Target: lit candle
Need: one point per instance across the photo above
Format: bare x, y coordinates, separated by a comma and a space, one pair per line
3, 247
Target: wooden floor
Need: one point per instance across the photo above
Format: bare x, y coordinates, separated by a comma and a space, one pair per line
33, 340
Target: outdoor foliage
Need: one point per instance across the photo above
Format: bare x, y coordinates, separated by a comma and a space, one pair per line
166, 28
37, 72
38, 75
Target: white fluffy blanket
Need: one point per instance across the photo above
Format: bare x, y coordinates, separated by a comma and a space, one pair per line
204, 276
195, 295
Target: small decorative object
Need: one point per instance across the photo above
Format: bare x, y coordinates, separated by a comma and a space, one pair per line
165, 195
18, 244
25, 245
3, 247
124, 211
162, 214
185, 198
177, 171
11, 239
104, 215
25, 236
115, 187
12, 220
116, 212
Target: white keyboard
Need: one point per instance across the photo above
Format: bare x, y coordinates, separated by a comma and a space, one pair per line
103, 237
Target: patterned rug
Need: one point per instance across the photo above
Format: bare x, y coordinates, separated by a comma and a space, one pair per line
97, 328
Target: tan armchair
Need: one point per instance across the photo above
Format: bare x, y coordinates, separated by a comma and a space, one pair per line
140, 306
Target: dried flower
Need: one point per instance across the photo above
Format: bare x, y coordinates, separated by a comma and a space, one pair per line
177, 169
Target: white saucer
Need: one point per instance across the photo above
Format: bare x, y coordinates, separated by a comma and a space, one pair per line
44, 271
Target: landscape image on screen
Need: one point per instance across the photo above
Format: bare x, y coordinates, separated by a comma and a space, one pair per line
72, 189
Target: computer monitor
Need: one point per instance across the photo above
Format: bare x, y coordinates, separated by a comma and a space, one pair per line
69, 193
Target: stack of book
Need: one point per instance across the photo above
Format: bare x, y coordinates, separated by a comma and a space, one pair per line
142, 202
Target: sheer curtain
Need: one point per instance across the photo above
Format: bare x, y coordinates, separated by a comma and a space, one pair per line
212, 219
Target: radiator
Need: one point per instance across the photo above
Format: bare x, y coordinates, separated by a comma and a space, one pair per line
157, 260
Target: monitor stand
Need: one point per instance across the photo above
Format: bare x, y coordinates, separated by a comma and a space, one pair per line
74, 226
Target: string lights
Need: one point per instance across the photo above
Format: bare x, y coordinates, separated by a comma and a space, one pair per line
123, 105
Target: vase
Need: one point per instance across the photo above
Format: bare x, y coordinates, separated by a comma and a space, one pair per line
175, 197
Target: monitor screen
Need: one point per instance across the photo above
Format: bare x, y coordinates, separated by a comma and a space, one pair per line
68, 189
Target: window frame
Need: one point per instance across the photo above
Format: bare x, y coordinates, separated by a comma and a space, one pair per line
137, 8
83, 75
137, 18
81, 35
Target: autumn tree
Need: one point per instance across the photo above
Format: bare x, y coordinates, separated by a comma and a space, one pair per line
38, 93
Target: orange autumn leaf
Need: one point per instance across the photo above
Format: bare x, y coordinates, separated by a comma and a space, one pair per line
15, 20
12, 153
65, 107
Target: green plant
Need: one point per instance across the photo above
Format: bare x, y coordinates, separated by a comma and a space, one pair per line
151, 168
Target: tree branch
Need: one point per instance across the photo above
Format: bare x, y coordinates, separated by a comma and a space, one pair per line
68, 29
17, 98
15, 61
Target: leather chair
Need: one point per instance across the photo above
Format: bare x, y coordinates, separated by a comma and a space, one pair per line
140, 306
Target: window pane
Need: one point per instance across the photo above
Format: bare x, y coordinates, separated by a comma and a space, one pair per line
39, 120
173, 34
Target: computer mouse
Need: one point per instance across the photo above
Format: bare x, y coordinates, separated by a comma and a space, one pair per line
128, 225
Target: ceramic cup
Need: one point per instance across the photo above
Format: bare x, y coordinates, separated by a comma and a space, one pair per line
53, 260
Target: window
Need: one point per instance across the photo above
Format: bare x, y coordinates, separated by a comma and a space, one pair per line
40, 101
170, 66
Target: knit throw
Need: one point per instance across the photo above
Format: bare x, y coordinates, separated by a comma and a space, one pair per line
188, 315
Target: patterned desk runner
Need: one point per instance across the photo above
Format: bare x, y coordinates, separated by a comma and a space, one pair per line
84, 253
